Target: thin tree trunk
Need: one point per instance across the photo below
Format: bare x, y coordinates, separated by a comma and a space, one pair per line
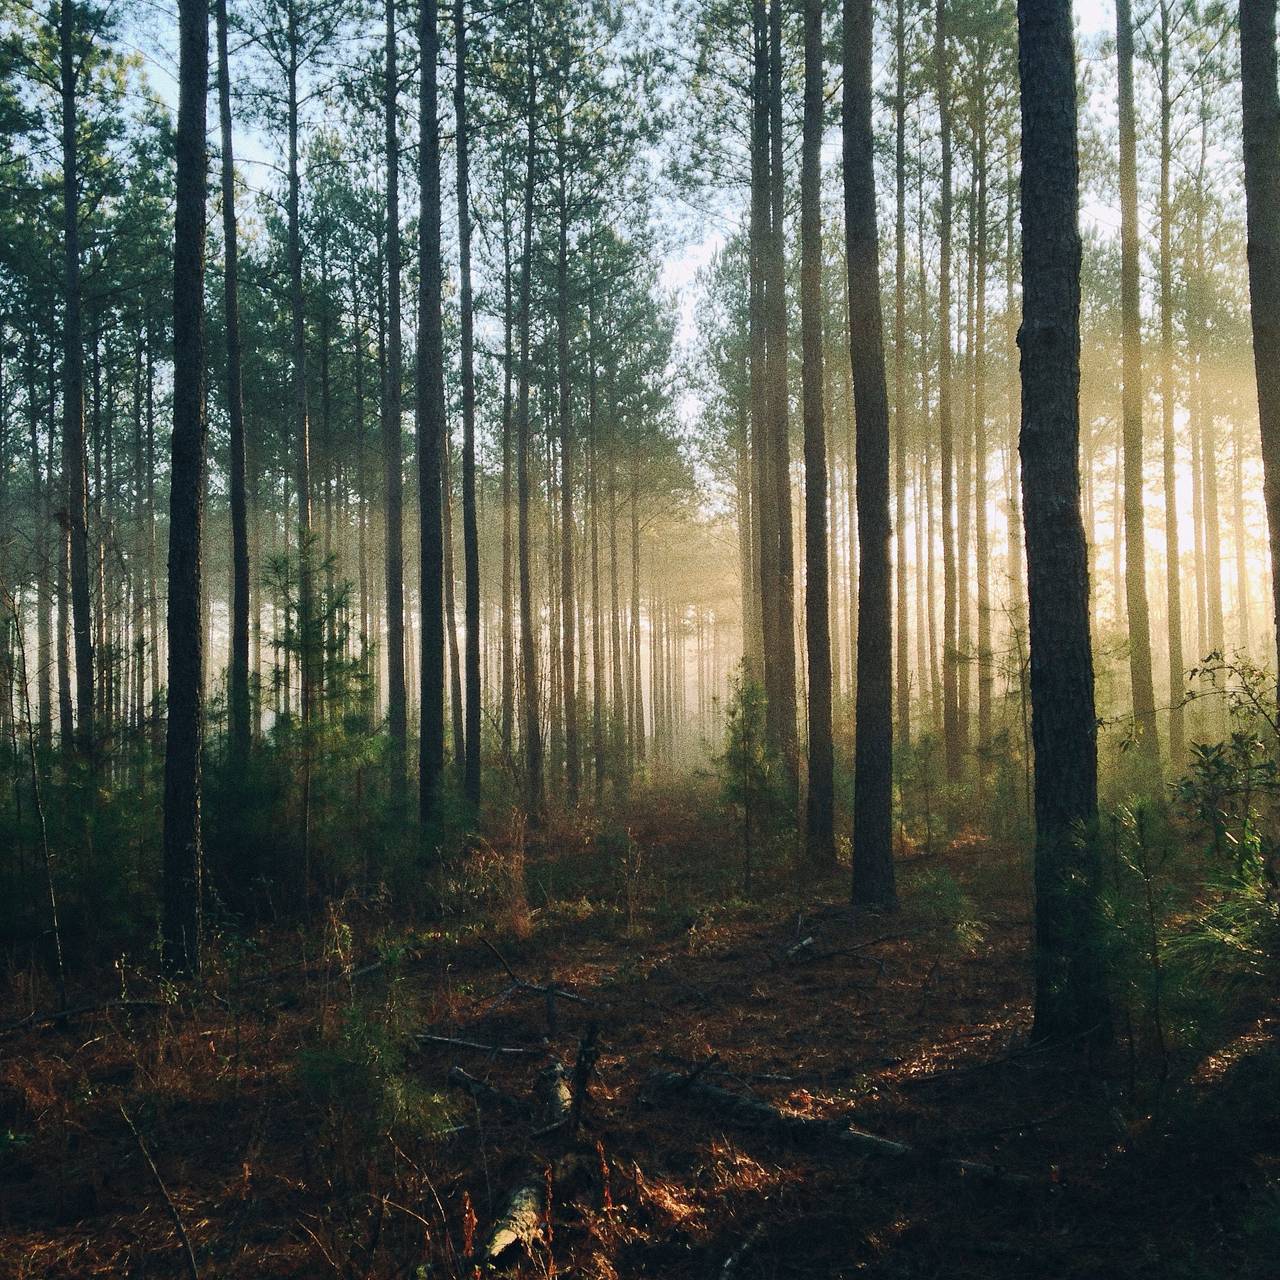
1135, 538
1168, 396
392, 462
470, 528
74, 459
950, 656
532, 744
982, 548
902, 635
568, 655
431, 423
508, 599
820, 810
238, 674
781, 706
456, 725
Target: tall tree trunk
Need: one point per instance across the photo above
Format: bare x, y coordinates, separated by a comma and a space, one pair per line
431, 422
1239, 538
182, 836
1135, 538
1071, 994
638, 743
74, 459
781, 706
873, 877
238, 674
508, 600
392, 463
981, 537
820, 811
456, 726
532, 744
1168, 398
1016, 545
902, 635
568, 687
950, 634
301, 423
762, 624
598, 674
470, 528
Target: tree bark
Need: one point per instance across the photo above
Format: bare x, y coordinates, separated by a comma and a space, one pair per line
950, 635
873, 876
780, 659
431, 423
392, 462
820, 810
182, 836
902, 634
1168, 396
568, 688
532, 744
74, 459
470, 528
238, 705
1135, 570
1071, 995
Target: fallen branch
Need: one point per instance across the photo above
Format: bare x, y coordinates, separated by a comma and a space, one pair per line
534, 988
33, 1020
733, 1263
164, 1191
521, 1220
811, 1133
510, 1051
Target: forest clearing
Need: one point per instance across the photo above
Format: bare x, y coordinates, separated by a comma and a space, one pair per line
639, 639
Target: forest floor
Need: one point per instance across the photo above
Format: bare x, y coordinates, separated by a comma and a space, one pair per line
298, 1125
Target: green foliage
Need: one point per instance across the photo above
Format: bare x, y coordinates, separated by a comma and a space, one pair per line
749, 769
360, 1077
936, 895
1138, 900
1231, 794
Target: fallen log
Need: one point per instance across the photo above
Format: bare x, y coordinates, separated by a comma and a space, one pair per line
812, 1133
521, 1221
559, 1100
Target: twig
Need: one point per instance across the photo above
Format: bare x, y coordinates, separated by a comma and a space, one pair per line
164, 1191
506, 1050
536, 988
